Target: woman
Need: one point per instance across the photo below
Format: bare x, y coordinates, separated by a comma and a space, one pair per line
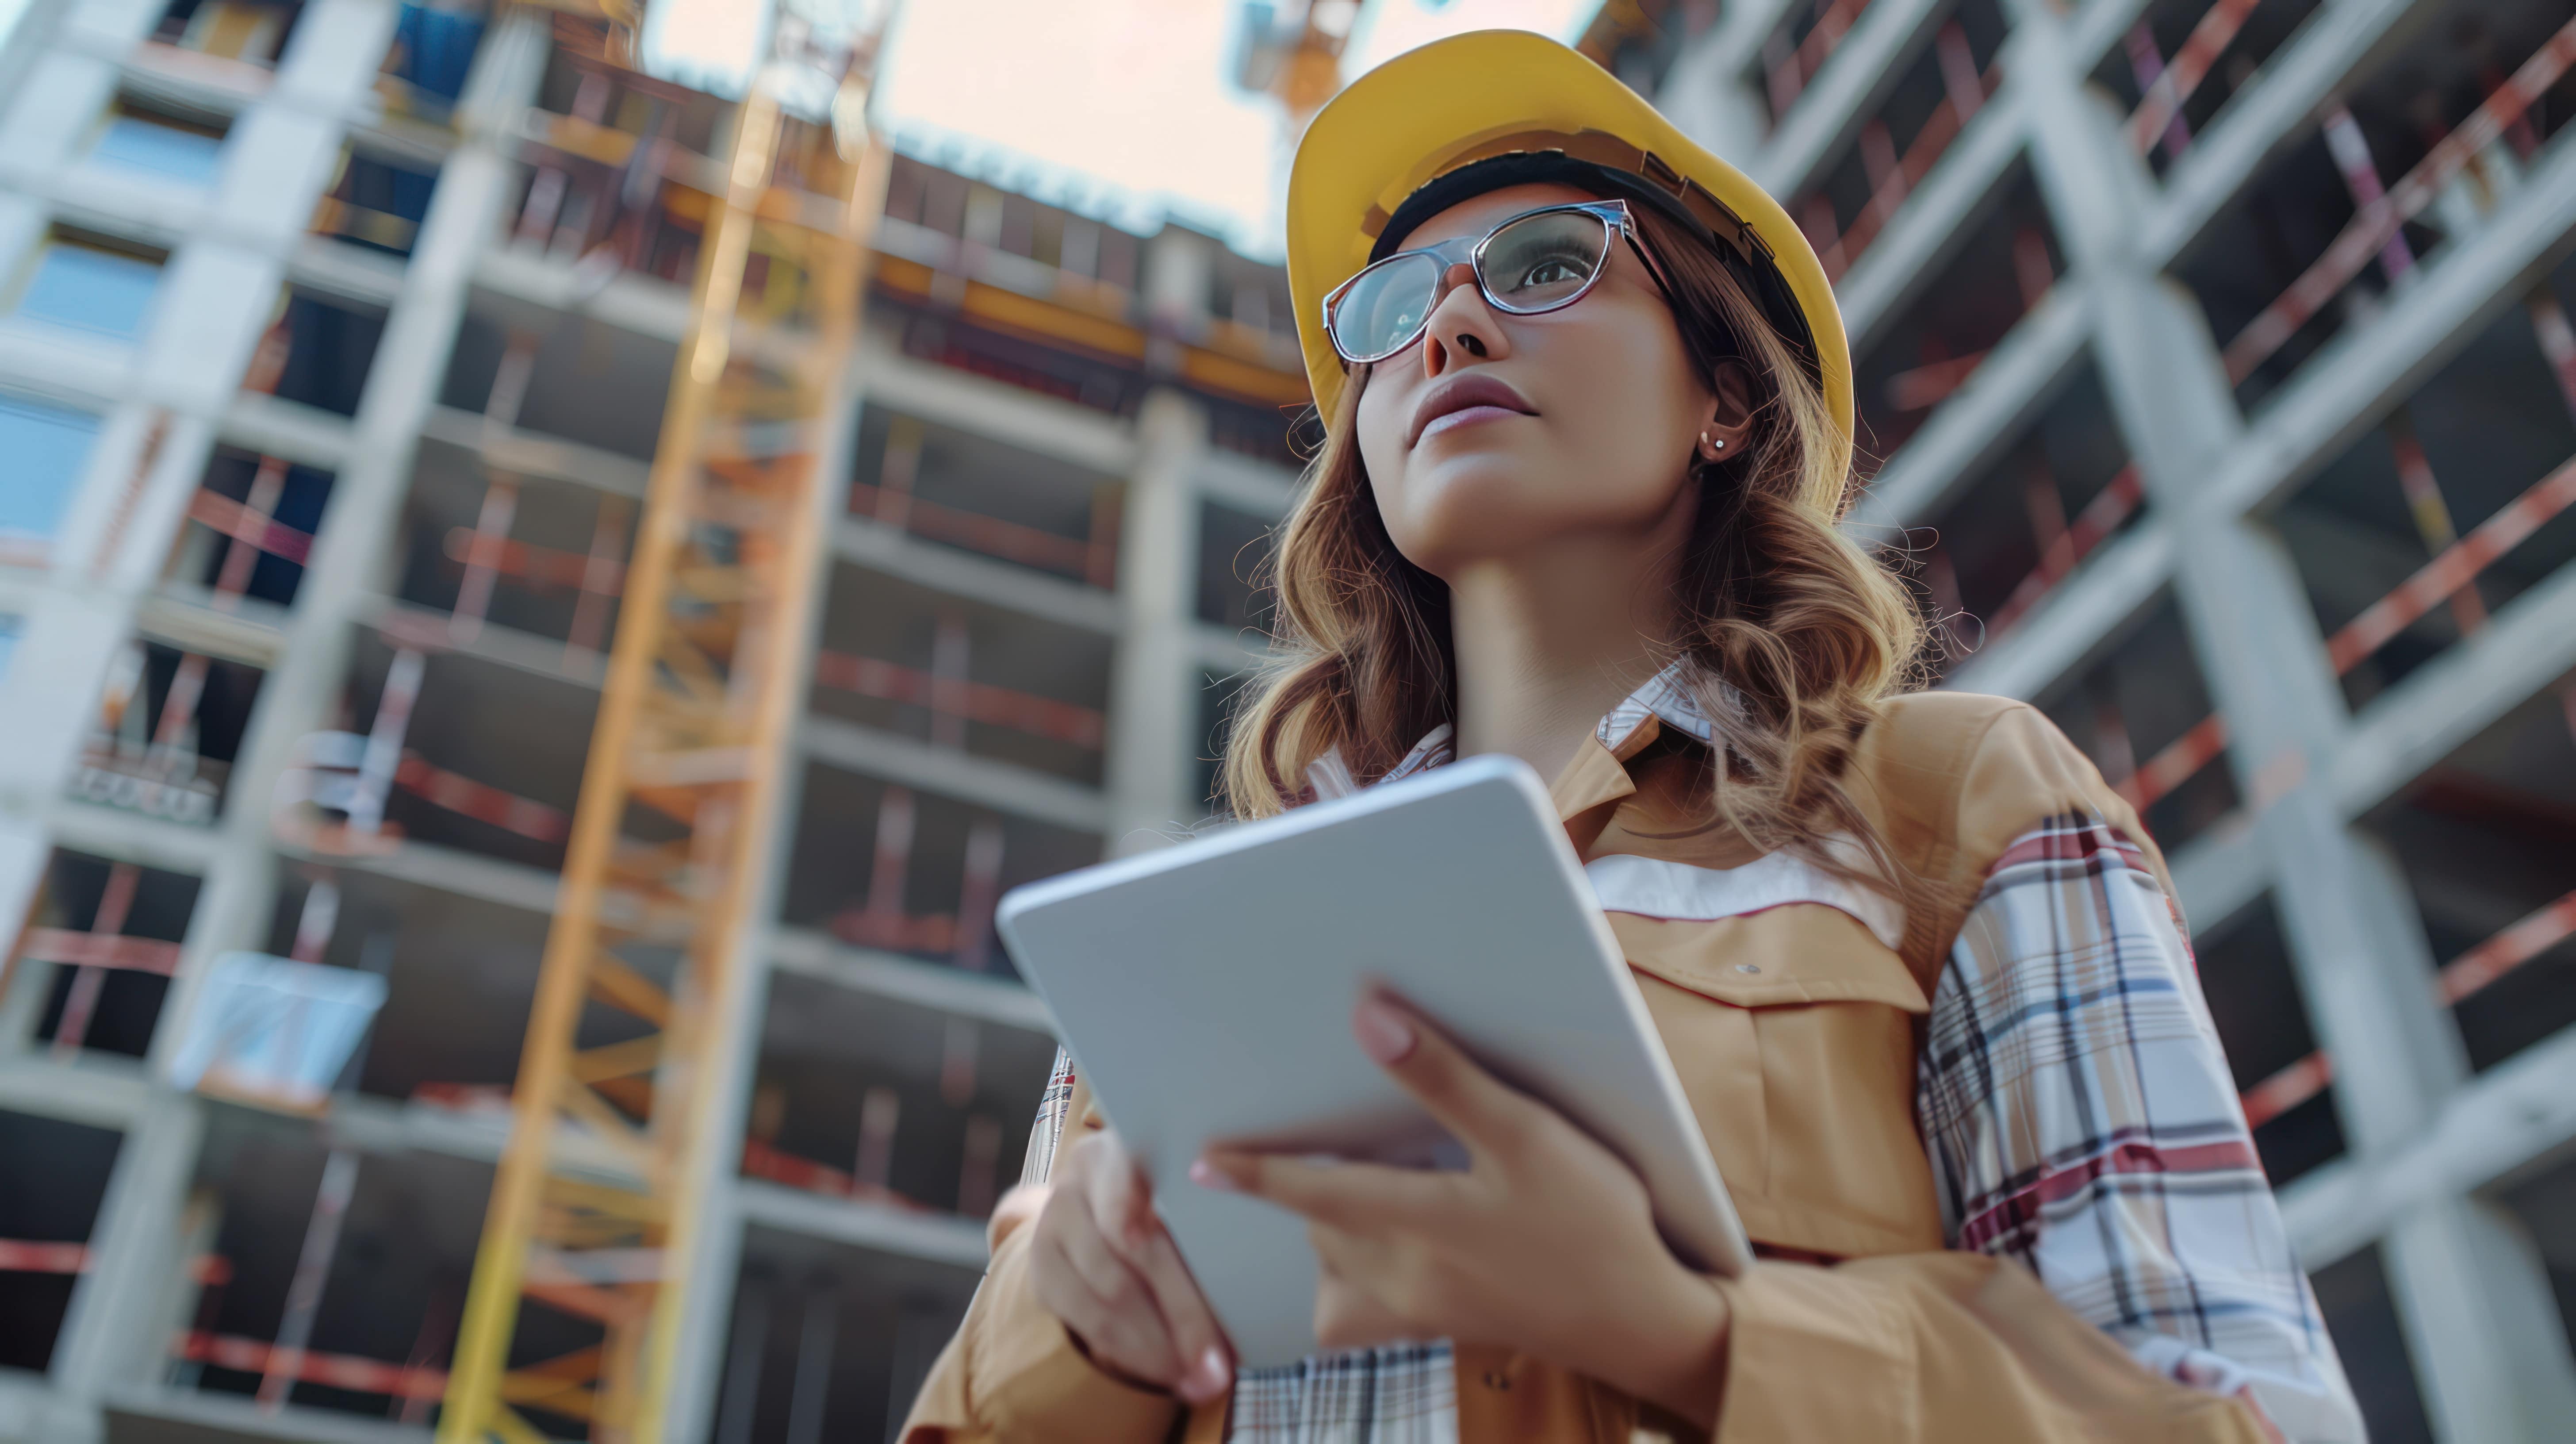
1917, 966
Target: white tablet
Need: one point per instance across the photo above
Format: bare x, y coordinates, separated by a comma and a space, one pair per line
1206, 990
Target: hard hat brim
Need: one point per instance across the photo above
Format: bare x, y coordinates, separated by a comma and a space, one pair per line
1493, 92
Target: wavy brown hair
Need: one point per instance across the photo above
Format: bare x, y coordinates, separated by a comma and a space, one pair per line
1794, 636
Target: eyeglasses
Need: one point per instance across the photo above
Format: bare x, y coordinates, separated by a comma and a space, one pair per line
1535, 262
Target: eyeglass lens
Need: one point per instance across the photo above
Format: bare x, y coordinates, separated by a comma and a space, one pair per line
1536, 263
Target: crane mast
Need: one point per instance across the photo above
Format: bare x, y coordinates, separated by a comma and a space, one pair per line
618, 1119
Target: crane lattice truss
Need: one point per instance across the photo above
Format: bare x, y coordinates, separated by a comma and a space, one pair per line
574, 1314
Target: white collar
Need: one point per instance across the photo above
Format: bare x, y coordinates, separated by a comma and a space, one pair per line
1666, 697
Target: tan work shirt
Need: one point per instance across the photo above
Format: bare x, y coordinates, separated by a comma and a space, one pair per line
1796, 1008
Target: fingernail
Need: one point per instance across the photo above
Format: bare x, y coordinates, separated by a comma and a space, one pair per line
1208, 1175
1383, 1035
1213, 1374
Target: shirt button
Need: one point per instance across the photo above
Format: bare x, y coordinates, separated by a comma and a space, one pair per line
1748, 967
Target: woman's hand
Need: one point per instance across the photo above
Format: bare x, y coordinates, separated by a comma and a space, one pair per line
1545, 1244
1103, 1264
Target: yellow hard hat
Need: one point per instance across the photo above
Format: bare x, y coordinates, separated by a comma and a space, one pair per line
1489, 94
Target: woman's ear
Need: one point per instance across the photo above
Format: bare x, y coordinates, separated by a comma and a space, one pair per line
1730, 412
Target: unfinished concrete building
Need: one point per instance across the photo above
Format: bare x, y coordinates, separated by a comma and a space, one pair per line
2215, 363
334, 339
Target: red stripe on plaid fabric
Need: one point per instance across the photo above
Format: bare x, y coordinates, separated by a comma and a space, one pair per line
2367, 233
28, 1256
100, 950
2069, 840
2164, 100
2017, 1211
2011, 1213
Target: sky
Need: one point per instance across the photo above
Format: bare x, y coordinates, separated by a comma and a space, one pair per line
1126, 109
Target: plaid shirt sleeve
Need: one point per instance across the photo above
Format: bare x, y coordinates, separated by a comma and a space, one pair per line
2082, 1121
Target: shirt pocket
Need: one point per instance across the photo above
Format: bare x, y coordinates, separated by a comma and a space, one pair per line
1792, 1026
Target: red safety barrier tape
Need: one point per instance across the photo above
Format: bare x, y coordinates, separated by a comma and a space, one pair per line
230, 518
100, 950
469, 798
2368, 231
23, 1256
975, 701
2173, 89
340, 1371
2457, 565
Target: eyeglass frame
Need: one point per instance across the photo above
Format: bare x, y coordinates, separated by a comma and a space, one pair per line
1615, 218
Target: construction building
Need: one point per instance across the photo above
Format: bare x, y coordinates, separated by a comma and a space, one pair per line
335, 341
2217, 380
2215, 365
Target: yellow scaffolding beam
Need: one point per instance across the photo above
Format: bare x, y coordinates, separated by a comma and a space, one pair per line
678, 802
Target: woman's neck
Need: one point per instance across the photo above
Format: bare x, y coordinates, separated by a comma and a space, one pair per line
1548, 643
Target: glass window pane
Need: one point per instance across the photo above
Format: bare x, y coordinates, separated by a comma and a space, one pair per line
90, 289
141, 143
47, 448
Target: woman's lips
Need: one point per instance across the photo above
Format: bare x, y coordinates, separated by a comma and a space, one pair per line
1451, 421
1472, 396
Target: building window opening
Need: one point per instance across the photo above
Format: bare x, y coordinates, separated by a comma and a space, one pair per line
48, 449
106, 936
245, 30
168, 726
376, 203
2254, 998
1800, 44
2487, 841
831, 1341
99, 288
317, 352
1234, 589
149, 141
53, 1177
934, 867
962, 675
2014, 535
2458, 503
1928, 106
320, 1277
2361, 1314
982, 496
250, 529
432, 53
2143, 714
890, 1103
2004, 269
2418, 153
2183, 60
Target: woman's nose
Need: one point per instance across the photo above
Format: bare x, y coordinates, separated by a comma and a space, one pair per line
1461, 324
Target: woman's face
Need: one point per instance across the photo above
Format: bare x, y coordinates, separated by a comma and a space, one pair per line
1494, 433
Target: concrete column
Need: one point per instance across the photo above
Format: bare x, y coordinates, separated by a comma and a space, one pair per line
1154, 685
2471, 1302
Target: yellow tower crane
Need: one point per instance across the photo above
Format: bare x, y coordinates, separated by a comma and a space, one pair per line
598, 1201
